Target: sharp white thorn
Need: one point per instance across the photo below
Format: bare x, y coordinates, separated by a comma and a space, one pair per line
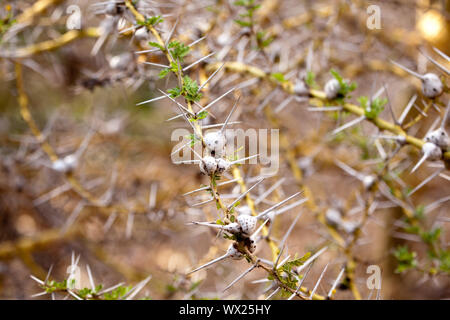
318, 281
415, 74
206, 265
336, 282
262, 214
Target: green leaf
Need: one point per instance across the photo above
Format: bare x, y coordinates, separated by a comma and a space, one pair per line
171, 288
202, 115
174, 92
373, 109
164, 72
444, 259
263, 41
118, 293
152, 21
419, 212
178, 50
98, 288
431, 236
195, 285
190, 89
243, 23
193, 139
406, 259
310, 79
296, 262
278, 76
345, 87
156, 45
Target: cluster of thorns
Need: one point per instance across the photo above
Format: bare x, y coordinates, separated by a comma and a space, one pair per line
245, 225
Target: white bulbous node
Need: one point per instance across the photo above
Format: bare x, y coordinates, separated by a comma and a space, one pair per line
233, 228
301, 88
431, 85
121, 61
59, 165
208, 165
222, 165
333, 217
141, 34
349, 226
71, 161
252, 245
234, 253
439, 137
332, 88
112, 8
247, 223
369, 181
215, 143
66, 164
432, 151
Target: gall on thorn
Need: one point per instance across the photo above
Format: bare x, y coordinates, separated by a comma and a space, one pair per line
333, 217
141, 34
70, 162
251, 245
215, 142
113, 8
301, 88
430, 152
401, 140
369, 181
243, 227
222, 165
66, 164
332, 88
247, 223
208, 165
232, 253
233, 228
349, 226
431, 85
439, 137
121, 61
250, 242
